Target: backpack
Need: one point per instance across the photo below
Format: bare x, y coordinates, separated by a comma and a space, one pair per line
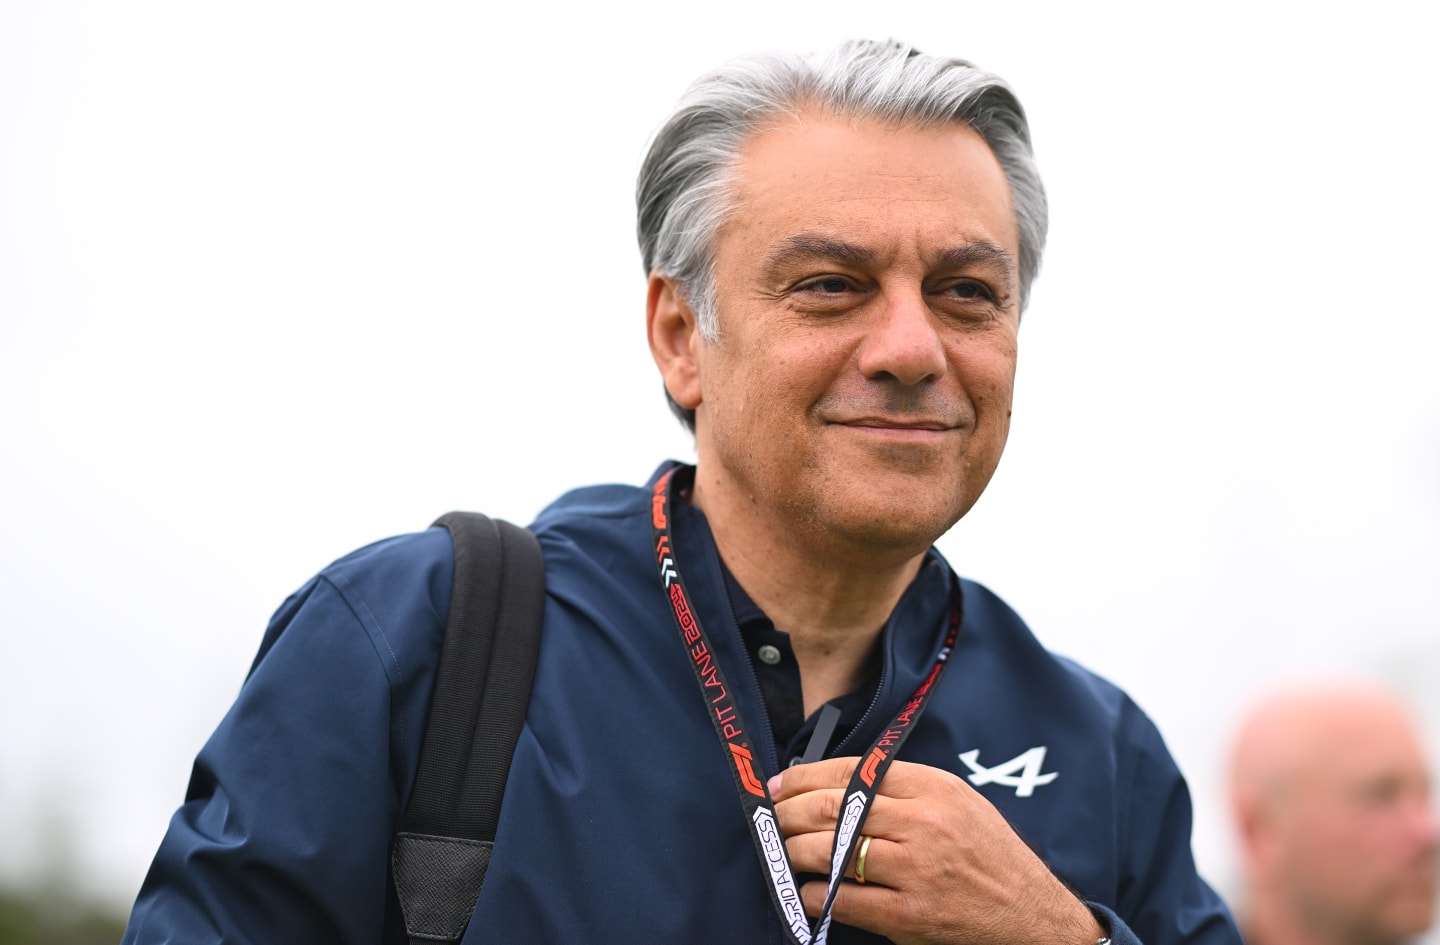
482, 688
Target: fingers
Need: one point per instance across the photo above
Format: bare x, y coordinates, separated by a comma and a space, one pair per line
801, 810
830, 773
902, 779
810, 853
873, 908
819, 812
876, 909
943, 864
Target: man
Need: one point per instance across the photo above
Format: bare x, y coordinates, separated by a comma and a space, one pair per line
1331, 798
838, 249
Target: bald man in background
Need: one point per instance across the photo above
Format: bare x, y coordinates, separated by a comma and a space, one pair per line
1331, 797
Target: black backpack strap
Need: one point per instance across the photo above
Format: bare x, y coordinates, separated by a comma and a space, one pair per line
482, 688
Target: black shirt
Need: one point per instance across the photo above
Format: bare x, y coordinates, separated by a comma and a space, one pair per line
779, 677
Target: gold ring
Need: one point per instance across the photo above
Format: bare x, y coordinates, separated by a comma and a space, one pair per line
860, 860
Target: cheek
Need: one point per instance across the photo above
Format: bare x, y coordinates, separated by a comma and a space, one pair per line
798, 372
755, 388
988, 376
1350, 847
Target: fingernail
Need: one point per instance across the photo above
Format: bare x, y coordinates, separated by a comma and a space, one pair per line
773, 784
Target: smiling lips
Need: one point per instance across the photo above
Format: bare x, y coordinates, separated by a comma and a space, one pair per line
896, 423
900, 428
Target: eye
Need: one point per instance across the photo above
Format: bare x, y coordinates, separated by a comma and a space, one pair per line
1380, 793
827, 285
969, 290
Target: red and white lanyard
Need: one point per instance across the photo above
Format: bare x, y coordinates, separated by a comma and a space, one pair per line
734, 736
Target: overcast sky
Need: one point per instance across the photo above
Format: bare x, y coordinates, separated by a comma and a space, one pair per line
278, 279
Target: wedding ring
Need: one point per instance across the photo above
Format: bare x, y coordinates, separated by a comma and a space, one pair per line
860, 860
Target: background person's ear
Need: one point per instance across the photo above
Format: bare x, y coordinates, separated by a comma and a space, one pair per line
674, 339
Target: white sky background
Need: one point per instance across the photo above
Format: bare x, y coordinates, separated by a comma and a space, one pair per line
281, 278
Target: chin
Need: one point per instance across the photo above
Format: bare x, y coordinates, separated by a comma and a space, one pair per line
892, 523
880, 503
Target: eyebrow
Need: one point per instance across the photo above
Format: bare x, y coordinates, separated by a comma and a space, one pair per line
808, 246
980, 251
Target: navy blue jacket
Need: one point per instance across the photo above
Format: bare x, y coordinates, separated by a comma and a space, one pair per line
620, 821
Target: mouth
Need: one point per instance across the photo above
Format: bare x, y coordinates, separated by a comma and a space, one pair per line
901, 424
897, 430
887, 424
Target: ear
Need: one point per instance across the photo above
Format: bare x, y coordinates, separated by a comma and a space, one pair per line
1258, 831
674, 340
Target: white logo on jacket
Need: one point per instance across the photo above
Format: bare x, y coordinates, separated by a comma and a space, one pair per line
1021, 772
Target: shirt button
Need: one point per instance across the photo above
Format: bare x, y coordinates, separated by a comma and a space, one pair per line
769, 655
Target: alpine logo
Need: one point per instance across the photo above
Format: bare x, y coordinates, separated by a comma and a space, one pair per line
1021, 772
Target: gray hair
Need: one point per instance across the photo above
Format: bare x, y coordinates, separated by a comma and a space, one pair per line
684, 192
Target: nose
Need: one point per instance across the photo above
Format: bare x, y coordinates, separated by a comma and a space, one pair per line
904, 340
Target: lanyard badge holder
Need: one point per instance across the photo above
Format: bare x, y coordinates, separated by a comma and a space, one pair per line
730, 728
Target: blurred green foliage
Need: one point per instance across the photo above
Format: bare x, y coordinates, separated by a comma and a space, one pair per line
48, 917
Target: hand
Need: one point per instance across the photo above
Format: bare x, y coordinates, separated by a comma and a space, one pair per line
943, 866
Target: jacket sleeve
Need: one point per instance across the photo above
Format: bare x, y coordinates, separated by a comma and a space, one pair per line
1162, 900
285, 833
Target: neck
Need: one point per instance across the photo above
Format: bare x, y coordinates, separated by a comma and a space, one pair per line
832, 600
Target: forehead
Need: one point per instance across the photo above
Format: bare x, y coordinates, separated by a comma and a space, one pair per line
899, 188
1355, 742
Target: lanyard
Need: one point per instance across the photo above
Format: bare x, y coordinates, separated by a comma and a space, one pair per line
734, 736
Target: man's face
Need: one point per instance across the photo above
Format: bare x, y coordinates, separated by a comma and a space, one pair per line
868, 305
1363, 833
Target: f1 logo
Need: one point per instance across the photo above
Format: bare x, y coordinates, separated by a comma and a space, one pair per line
1021, 772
